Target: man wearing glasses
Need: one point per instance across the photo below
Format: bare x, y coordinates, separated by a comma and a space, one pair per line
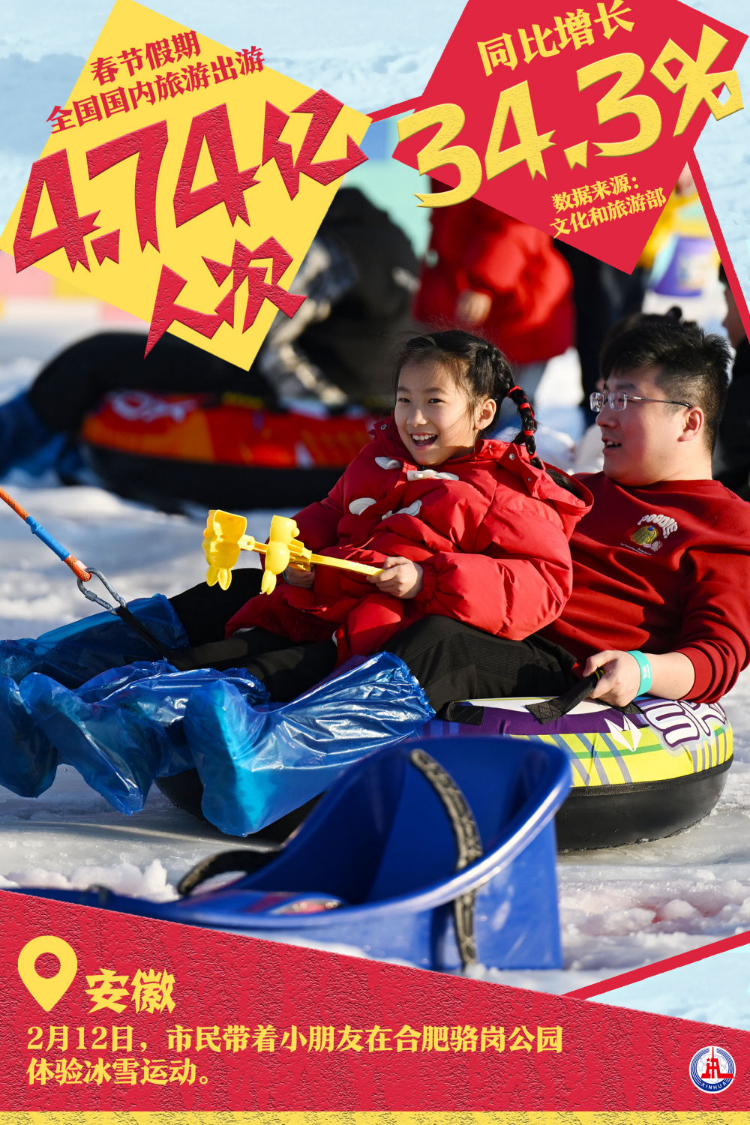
662, 562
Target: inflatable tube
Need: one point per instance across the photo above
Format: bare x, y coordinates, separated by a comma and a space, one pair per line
635, 777
227, 452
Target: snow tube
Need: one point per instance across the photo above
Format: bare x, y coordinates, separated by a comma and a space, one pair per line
634, 777
437, 851
223, 451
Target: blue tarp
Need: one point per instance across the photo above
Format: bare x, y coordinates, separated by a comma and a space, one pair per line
122, 729
71, 656
74, 653
258, 765
61, 701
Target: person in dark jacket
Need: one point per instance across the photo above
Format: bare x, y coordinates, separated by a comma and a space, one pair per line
359, 277
732, 459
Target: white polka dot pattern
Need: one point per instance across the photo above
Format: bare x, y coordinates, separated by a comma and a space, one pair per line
357, 507
429, 474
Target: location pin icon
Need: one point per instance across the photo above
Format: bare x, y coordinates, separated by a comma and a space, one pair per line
47, 990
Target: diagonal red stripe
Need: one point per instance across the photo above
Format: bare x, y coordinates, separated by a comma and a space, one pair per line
392, 110
720, 241
660, 967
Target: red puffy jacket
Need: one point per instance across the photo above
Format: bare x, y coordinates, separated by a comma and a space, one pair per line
478, 248
490, 531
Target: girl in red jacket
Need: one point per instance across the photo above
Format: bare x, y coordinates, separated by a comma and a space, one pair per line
463, 527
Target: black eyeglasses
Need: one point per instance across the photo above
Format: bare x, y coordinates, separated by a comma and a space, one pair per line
618, 400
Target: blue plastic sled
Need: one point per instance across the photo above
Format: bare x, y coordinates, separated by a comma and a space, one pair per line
375, 865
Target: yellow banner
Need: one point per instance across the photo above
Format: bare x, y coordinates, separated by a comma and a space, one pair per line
184, 182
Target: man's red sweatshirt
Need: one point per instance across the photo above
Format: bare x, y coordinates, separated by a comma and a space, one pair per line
662, 568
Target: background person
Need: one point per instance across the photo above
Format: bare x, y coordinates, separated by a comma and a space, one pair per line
486, 271
359, 277
732, 457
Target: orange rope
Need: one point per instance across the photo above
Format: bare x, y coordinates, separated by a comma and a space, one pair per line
70, 560
6, 496
78, 568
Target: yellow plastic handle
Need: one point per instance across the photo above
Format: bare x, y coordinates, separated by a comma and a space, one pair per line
345, 564
224, 538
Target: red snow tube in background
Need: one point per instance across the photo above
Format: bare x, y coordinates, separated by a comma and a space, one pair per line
228, 452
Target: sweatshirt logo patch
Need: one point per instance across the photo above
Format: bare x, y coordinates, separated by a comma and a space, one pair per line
652, 531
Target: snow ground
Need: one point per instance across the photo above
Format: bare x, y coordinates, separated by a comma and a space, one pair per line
620, 908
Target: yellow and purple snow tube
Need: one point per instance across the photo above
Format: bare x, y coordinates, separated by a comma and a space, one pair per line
635, 777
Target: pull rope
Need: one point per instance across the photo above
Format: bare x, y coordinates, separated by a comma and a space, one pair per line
80, 571
117, 606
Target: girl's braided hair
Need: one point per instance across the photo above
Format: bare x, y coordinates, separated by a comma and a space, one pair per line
479, 368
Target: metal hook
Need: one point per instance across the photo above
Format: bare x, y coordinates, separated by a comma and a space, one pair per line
92, 597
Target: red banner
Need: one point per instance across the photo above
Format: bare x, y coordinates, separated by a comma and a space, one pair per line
575, 122
112, 1012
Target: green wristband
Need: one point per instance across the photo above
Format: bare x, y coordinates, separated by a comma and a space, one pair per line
646, 671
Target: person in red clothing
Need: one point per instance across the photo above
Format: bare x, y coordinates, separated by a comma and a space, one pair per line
471, 529
486, 271
662, 562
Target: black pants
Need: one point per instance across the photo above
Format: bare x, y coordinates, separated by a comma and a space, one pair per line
451, 661
602, 295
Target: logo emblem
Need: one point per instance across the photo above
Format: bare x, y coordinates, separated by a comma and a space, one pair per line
712, 1069
652, 531
645, 535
